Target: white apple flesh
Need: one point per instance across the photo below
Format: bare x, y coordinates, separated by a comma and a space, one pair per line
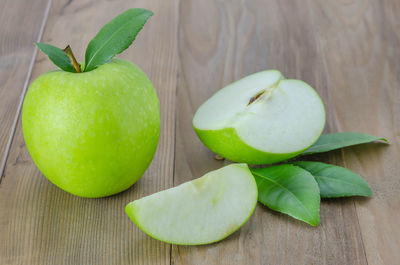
261, 119
201, 211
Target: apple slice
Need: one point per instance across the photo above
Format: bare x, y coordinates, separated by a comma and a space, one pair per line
260, 119
201, 211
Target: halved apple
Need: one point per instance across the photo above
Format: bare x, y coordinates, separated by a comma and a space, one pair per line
261, 119
201, 211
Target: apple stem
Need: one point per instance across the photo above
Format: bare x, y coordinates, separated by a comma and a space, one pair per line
219, 158
69, 52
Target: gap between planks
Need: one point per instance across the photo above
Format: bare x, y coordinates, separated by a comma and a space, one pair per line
355, 210
25, 88
178, 6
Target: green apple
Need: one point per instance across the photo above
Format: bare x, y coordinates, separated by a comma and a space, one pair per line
94, 133
261, 119
201, 211
93, 129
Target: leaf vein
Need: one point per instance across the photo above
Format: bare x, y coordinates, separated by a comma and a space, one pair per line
290, 192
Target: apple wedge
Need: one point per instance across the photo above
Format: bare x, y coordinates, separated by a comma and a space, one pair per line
201, 211
261, 119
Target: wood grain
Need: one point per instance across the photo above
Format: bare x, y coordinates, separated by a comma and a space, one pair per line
39, 223
347, 50
239, 38
363, 67
16, 53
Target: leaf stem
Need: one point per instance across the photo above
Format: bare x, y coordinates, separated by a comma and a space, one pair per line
69, 52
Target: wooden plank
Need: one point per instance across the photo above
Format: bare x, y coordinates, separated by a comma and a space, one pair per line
39, 223
363, 66
21, 27
221, 42
347, 51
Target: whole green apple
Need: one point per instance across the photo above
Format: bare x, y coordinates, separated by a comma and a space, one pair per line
94, 133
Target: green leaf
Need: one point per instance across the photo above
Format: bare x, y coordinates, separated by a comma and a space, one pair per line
289, 189
334, 181
57, 56
332, 141
115, 37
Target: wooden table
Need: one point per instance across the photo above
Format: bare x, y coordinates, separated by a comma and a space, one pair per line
348, 50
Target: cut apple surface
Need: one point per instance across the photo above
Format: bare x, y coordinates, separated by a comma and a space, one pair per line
260, 119
201, 211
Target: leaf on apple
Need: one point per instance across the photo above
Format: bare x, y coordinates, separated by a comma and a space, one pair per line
332, 141
335, 181
57, 56
115, 37
289, 189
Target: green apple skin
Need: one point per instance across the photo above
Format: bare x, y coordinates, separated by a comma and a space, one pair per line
227, 143
92, 134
